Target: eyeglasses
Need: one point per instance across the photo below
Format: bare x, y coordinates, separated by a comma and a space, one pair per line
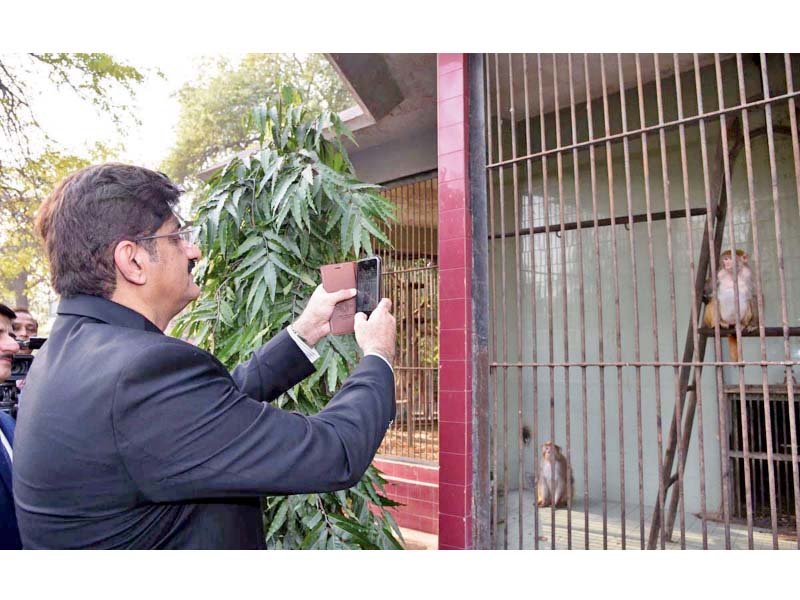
188, 235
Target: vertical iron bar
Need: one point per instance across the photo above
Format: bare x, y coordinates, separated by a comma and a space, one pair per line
617, 318
493, 322
756, 256
599, 284
721, 396
424, 295
479, 121
676, 423
409, 291
400, 313
694, 312
534, 354
517, 267
412, 293
562, 220
503, 320
419, 275
654, 308
790, 378
737, 463
480, 284
398, 278
636, 332
729, 159
579, 234
549, 270
424, 292
784, 312
406, 308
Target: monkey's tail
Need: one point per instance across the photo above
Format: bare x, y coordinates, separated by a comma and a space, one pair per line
733, 348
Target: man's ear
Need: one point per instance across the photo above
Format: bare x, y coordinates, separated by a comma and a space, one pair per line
129, 263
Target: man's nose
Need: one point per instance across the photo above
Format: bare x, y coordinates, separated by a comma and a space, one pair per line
9, 344
193, 252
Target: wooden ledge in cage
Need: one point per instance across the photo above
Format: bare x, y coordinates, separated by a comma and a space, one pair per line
731, 331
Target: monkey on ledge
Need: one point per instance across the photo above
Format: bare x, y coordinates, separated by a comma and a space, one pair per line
721, 307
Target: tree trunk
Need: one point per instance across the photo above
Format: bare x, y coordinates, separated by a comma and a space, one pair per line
18, 288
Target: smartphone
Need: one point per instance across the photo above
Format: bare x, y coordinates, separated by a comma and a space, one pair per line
337, 277
368, 284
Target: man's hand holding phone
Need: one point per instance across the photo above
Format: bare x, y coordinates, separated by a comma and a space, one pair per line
314, 323
378, 333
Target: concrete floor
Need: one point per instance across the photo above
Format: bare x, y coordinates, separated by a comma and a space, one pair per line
762, 539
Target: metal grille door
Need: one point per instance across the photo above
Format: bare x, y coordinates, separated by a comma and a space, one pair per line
410, 281
616, 184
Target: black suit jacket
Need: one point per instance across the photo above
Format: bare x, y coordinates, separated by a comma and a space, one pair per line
9, 535
127, 438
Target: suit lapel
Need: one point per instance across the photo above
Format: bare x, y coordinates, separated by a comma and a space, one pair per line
5, 470
5, 460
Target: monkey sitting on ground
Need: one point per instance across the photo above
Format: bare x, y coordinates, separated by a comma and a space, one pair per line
555, 478
721, 306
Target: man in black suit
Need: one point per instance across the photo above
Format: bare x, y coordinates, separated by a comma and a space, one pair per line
128, 438
9, 534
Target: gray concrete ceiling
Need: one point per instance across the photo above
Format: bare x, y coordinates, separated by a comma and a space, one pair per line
414, 109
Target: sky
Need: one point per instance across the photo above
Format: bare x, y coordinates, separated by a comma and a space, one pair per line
76, 124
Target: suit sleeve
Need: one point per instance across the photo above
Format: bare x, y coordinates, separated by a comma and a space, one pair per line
274, 368
187, 431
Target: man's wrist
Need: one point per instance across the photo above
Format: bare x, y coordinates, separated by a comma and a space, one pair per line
379, 352
311, 354
380, 356
307, 334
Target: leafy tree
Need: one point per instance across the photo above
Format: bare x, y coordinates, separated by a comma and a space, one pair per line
211, 127
268, 222
30, 161
93, 77
24, 278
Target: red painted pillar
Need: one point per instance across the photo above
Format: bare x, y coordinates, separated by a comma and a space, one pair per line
455, 308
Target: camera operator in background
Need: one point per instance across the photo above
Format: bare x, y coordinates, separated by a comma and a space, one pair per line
9, 534
25, 327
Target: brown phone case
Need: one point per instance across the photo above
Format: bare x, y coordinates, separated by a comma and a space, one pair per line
337, 277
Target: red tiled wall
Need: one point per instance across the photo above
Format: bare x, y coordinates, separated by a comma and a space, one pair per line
455, 275
417, 488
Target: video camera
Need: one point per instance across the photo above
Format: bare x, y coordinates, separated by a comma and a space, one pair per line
20, 365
